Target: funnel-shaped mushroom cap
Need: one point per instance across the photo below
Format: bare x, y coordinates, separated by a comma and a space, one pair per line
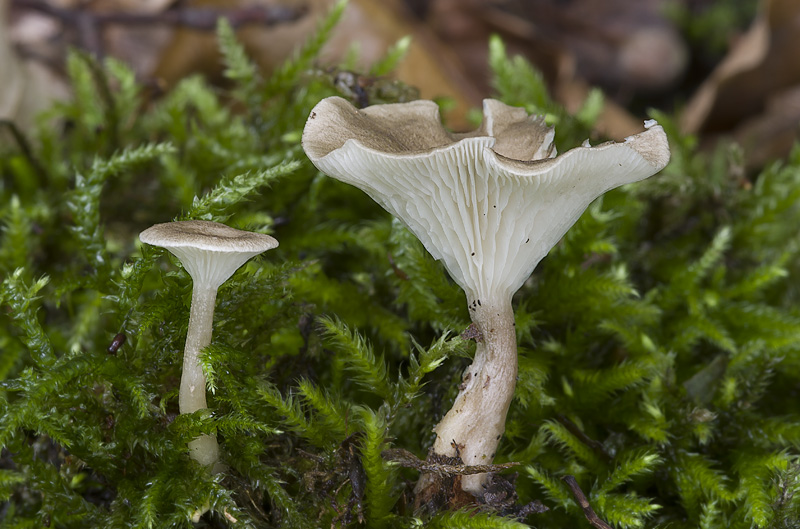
209, 251
491, 203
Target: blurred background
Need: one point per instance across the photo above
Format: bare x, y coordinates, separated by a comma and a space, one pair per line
726, 68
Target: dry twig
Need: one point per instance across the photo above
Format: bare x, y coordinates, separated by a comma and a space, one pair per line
90, 23
580, 497
407, 459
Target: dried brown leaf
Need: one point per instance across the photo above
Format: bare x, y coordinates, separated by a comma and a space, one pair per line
762, 64
28, 87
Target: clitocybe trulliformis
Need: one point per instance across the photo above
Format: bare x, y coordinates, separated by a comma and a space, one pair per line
490, 204
210, 252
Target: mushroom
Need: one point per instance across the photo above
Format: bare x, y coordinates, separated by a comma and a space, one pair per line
490, 204
211, 253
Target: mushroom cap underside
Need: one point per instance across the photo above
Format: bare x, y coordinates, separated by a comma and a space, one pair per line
488, 217
209, 251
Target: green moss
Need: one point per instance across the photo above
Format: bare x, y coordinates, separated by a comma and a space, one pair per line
659, 362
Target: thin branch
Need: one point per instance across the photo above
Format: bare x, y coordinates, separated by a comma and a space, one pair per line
406, 459
24, 146
580, 497
397, 270
204, 19
90, 24
104, 90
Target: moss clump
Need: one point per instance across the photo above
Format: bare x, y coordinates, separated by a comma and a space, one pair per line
659, 361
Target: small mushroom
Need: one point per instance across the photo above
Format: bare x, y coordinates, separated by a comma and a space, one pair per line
211, 253
490, 204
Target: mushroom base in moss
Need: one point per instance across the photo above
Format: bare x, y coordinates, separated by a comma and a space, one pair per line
489, 204
473, 427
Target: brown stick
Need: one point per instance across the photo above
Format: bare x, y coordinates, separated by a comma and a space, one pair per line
193, 18
24, 146
580, 497
90, 24
406, 459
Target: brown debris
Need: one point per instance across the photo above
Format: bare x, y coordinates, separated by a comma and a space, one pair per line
439, 487
752, 95
629, 48
91, 23
621, 45
370, 26
329, 480
472, 333
28, 87
761, 65
439, 464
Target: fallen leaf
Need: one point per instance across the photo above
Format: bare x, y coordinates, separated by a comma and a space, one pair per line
569, 44
371, 27
761, 64
28, 87
772, 134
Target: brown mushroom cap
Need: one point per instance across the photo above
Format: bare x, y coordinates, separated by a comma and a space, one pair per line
211, 252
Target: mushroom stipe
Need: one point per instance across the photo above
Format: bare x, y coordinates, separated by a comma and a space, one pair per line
210, 252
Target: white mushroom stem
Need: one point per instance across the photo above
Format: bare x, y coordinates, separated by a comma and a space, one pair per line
474, 425
210, 252
192, 397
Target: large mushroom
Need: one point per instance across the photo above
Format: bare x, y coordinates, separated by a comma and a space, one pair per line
210, 252
490, 204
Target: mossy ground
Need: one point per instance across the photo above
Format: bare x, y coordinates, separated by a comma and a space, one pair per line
659, 356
